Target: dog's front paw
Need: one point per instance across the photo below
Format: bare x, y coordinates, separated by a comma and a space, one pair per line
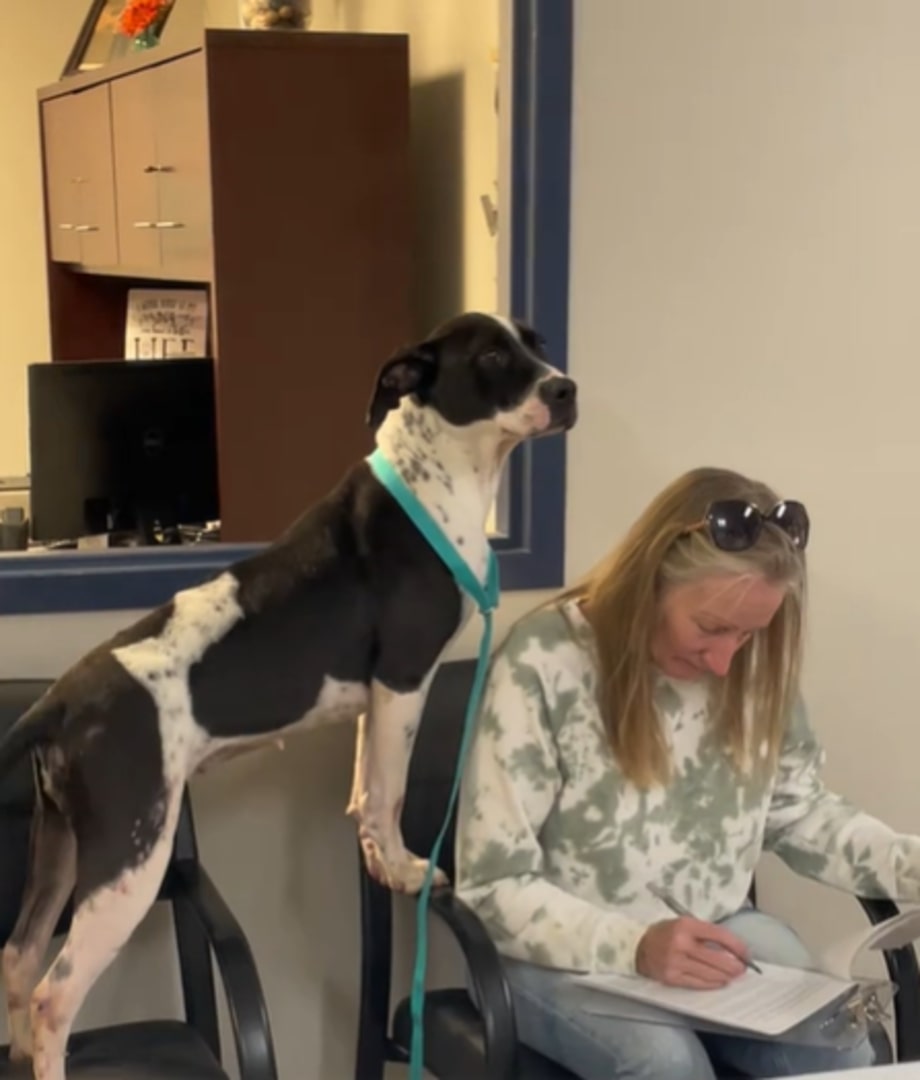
405, 873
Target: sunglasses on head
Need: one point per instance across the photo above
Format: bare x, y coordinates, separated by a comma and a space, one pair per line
736, 525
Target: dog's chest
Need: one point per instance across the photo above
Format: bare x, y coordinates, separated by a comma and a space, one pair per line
337, 701
455, 485
456, 506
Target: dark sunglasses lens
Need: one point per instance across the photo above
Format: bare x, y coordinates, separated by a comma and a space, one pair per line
792, 518
734, 525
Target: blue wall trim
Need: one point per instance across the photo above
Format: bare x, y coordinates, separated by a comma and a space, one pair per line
139, 578
533, 555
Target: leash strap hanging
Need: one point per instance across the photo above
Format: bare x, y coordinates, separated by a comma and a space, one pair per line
486, 598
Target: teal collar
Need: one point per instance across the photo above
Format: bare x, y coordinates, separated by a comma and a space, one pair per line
485, 594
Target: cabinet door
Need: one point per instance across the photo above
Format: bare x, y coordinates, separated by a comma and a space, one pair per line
136, 170
184, 178
61, 147
96, 189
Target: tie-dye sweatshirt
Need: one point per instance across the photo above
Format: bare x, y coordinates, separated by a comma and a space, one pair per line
556, 848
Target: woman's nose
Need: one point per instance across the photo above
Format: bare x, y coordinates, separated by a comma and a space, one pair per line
718, 657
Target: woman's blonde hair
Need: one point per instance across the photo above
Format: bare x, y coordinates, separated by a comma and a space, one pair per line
751, 705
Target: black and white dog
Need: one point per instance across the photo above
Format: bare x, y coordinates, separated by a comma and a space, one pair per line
346, 615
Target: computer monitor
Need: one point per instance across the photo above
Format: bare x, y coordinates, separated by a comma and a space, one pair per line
121, 447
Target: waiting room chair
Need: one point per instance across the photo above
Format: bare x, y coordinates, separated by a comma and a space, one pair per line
460, 1041
204, 924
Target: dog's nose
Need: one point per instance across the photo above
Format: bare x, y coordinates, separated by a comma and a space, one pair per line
558, 391
558, 394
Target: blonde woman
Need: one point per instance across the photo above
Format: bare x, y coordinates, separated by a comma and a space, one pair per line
642, 738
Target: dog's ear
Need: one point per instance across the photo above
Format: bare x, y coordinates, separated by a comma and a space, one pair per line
409, 371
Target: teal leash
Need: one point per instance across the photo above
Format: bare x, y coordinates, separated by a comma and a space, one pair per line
486, 599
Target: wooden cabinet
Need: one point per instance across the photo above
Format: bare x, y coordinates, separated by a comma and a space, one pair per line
126, 173
160, 141
80, 182
135, 155
273, 167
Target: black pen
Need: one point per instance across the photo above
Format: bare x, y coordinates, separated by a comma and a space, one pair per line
679, 909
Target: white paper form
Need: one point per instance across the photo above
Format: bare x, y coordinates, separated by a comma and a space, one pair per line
767, 1004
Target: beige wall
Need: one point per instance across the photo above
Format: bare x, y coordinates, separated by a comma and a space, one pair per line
745, 268
36, 48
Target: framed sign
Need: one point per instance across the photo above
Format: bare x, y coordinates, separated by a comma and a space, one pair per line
101, 41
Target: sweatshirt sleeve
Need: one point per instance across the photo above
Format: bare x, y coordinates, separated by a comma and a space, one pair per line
822, 836
511, 780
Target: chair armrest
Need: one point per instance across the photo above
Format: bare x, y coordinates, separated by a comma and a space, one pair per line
904, 972
242, 986
490, 988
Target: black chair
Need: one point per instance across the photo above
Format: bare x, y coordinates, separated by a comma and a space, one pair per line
461, 1041
156, 1049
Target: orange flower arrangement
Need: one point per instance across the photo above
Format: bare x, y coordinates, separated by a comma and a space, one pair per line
140, 15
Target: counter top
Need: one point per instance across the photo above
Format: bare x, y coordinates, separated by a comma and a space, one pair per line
54, 582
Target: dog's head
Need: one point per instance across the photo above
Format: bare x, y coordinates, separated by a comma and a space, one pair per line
479, 368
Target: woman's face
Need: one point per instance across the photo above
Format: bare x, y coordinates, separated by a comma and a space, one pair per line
702, 625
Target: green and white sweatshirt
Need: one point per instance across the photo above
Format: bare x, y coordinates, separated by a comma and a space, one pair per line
556, 848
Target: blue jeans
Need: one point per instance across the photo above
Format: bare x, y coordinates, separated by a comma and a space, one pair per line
614, 1048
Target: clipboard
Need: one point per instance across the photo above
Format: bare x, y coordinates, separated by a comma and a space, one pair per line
823, 1011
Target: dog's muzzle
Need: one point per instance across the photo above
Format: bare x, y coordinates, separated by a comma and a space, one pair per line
559, 394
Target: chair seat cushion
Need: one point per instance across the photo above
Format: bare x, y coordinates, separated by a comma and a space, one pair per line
154, 1050
454, 1043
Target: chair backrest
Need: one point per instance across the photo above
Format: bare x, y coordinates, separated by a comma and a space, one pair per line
431, 775
17, 796
434, 762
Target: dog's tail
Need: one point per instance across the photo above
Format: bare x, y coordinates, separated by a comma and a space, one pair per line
37, 725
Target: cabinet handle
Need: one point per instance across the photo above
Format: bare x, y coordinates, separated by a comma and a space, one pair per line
66, 228
86, 228
145, 225
170, 225
157, 168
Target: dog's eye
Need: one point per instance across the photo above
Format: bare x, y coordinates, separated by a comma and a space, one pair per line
493, 358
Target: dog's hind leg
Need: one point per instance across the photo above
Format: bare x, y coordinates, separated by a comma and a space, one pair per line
386, 737
49, 882
105, 916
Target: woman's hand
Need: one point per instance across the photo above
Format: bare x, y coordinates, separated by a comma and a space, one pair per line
691, 953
